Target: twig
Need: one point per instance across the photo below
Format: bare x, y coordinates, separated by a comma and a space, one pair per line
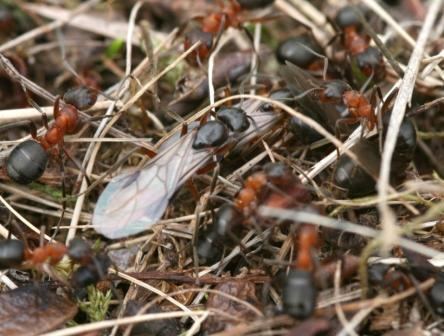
342, 225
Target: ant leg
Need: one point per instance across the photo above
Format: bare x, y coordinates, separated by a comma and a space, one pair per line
36, 106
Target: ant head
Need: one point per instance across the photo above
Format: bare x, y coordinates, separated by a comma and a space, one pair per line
300, 51
80, 97
198, 35
348, 17
79, 250
332, 91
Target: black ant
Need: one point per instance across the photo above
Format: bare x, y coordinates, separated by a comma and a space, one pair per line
28, 160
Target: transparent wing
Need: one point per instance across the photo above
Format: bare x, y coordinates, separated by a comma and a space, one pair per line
300, 81
133, 202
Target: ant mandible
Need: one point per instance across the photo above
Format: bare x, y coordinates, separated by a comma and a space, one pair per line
212, 25
28, 160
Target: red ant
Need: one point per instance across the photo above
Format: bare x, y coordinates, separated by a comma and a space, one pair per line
28, 160
329, 92
213, 24
15, 253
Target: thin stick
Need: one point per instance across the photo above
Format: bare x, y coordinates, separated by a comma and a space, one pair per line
254, 57
81, 329
343, 225
21, 218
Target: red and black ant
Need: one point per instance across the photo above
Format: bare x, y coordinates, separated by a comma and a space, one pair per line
366, 58
213, 24
28, 160
335, 93
299, 291
274, 186
93, 268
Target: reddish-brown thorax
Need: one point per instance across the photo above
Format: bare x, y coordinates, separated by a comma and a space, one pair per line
360, 107
307, 240
354, 42
52, 253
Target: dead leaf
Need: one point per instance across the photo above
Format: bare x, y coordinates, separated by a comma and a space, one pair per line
33, 310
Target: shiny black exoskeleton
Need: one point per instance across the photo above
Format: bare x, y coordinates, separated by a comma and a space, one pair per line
211, 241
347, 16
80, 251
299, 51
212, 134
353, 178
254, 4
234, 117
299, 294
12, 253
92, 272
27, 162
